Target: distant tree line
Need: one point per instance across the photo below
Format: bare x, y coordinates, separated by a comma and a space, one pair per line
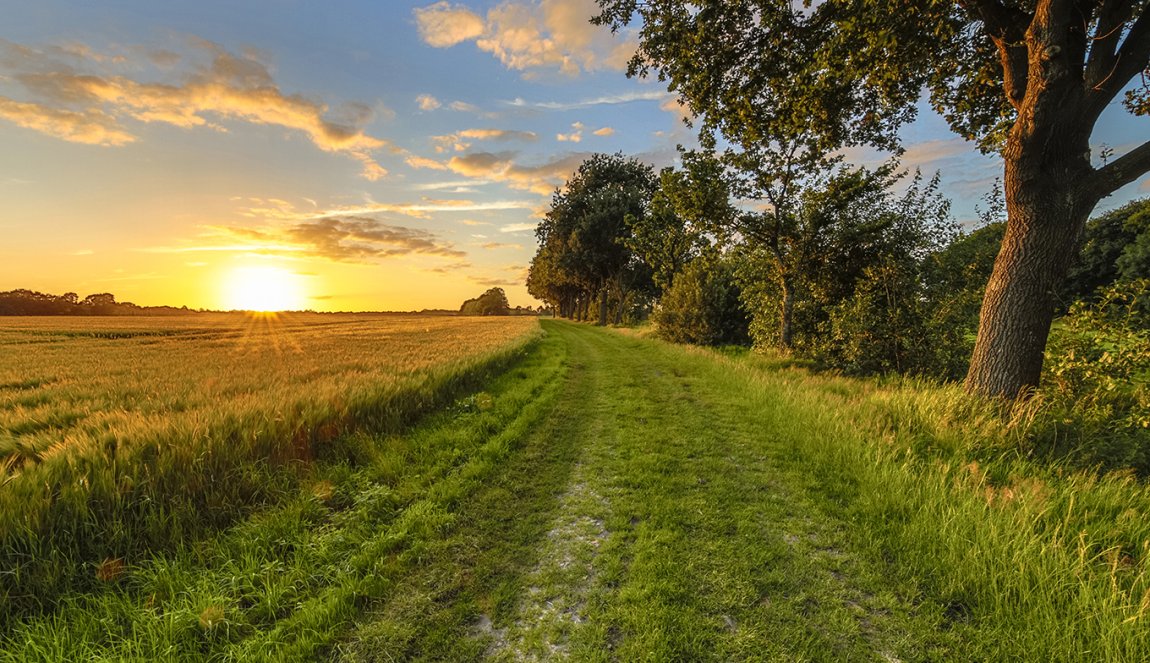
494, 302
30, 302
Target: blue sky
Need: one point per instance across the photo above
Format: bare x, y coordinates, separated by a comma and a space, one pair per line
385, 155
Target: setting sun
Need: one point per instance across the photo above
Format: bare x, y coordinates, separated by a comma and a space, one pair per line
263, 289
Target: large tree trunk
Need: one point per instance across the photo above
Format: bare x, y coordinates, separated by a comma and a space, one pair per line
1047, 208
603, 306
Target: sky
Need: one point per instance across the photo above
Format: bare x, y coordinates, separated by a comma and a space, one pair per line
364, 155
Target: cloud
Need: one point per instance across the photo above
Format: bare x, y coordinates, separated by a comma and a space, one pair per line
1145, 185
926, 152
453, 186
464, 107
427, 102
496, 282
92, 107
346, 239
606, 100
284, 211
501, 167
499, 245
499, 134
676, 107
450, 267
605, 131
456, 141
517, 227
416, 161
531, 35
444, 24
91, 127
574, 136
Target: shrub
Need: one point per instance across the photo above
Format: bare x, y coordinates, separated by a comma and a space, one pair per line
703, 306
1098, 376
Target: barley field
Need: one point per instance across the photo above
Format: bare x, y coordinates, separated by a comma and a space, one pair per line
122, 434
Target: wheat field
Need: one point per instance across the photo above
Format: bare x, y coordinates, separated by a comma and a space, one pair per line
135, 433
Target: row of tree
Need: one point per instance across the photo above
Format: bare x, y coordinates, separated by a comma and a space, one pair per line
30, 302
862, 270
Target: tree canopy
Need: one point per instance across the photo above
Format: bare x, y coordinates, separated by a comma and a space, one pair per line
790, 83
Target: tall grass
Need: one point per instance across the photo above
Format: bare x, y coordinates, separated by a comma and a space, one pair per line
119, 437
1036, 558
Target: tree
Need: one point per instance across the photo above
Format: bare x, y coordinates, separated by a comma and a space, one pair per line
492, 302
1025, 78
689, 205
583, 251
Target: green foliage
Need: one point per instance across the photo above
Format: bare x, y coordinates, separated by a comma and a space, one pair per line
1098, 375
883, 328
869, 313
703, 306
954, 280
1116, 246
686, 206
583, 239
492, 302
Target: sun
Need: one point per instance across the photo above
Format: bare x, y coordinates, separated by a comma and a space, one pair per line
263, 289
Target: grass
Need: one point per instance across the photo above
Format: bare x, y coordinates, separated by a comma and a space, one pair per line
608, 497
124, 436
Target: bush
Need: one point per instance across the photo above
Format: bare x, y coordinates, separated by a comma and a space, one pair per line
1098, 376
702, 306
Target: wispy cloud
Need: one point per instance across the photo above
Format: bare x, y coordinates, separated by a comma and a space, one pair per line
606, 100
284, 211
94, 106
490, 246
451, 185
499, 134
605, 131
457, 141
92, 126
501, 166
346, 239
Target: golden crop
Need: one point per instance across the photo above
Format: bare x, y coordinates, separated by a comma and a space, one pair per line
67, 381
129, 433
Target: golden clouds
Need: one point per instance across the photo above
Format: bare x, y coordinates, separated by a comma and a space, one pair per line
92, 127
92, 108
427, 102
573, 137
444, 24
542, 179
498, 134
530, 35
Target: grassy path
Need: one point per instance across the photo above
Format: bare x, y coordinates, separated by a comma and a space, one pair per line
666, 521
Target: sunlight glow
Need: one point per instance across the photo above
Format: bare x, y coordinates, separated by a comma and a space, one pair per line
263, 289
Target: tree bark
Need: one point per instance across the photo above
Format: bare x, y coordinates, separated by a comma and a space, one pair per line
1047, 208
603, 306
